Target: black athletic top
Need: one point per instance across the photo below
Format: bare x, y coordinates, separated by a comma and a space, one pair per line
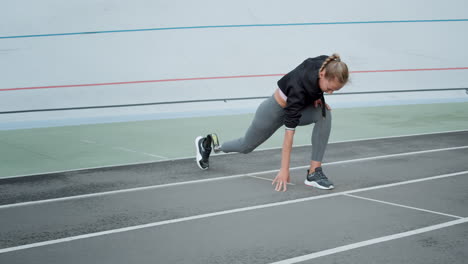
302, 89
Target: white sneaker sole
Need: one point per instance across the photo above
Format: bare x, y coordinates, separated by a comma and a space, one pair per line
316, 185
199, 157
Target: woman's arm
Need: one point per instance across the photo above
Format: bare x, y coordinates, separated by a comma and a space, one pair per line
282, 178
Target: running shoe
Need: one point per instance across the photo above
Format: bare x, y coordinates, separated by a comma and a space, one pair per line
318, 179
203, 148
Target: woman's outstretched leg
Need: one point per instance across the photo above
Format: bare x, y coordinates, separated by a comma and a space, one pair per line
268, 118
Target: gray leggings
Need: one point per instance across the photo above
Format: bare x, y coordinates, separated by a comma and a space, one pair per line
269, 117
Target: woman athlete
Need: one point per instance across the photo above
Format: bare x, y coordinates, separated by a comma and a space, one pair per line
294, 103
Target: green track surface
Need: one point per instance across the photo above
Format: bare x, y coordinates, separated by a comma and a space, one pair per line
41, 150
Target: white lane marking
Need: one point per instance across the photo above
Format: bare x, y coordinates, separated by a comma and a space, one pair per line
399, 155
346, 141
401, 205
266, 179
81, 196
393, 137
226, 212
221, 154
371, 242
87, 141
140, 152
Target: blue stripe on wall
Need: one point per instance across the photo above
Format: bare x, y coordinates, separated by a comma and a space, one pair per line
237, 26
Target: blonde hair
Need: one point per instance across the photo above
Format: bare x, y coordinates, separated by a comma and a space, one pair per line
335, 69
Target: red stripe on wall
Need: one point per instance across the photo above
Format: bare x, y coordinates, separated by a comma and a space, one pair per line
213, 78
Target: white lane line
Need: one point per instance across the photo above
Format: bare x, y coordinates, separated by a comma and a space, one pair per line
151, 187
347, 141
371, 242
226, 212
266, 179
222, 154
399, 155
401, 205
139, 152
401, 136
218, 178
87, 141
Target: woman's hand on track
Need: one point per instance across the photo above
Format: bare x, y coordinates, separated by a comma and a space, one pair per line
281, 180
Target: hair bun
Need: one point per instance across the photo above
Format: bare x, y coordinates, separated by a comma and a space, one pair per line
336, 57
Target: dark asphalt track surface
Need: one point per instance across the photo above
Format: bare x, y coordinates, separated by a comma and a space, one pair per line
171, 212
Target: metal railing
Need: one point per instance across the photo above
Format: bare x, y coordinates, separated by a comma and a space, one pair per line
218, 100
